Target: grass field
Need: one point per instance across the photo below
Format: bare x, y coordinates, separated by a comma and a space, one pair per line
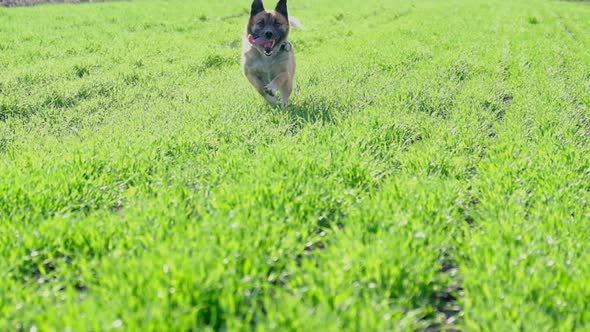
433, 172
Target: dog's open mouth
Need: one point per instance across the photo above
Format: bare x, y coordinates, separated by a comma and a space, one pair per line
267, 45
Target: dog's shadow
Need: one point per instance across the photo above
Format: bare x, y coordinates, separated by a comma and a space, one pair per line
310, 113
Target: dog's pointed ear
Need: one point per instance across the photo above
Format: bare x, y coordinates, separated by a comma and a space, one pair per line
257, 7
282, 8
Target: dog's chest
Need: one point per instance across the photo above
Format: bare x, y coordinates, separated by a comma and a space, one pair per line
262, 65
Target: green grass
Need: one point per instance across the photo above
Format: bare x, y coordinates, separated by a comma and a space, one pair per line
432, 173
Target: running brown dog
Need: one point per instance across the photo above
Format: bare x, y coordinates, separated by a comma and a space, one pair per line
268, 58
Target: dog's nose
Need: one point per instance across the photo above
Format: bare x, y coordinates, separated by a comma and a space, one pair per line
268, 34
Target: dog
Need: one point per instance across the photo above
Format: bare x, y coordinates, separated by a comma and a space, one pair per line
268, 58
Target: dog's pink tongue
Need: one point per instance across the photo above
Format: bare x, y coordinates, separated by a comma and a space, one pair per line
257, 42
260, 42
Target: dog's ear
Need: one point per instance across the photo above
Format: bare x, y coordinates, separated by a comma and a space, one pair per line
282, 8
257, 7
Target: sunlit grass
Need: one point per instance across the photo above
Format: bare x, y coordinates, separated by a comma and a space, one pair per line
432, 172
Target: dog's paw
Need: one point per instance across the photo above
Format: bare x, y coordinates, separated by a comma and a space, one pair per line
272, 100
270, 89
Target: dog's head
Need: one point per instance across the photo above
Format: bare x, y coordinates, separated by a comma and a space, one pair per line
268, 29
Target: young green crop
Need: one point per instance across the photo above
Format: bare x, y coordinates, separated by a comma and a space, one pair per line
432, 173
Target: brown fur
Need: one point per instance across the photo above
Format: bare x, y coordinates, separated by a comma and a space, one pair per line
274, 73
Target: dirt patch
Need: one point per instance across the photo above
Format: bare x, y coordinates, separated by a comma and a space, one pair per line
14, 3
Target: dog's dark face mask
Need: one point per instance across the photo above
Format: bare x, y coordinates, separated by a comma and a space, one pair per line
267, 30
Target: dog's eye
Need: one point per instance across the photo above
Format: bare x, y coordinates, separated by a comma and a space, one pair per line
277, 24
260, 23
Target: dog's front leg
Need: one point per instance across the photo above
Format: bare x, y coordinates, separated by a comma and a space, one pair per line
281, 83
271, 98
